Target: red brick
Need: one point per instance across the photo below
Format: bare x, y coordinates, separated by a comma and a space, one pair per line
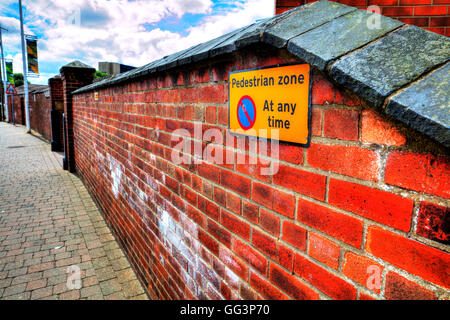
250, 211
324, 250
285, 256
208, 241
267, 290
210, 114
419, 172
279, 10
345, 97
290, 284
222, 115
219, 233
363, 271
235, 225
234, 263
220, 196
421, 260
420, 22
412, 2
250, 255
316, 122
333, 223
233, 203
400, 288
235, 182
354, 2
273, 199
341, 124
322, 91
289, 3
269, 222
323, 280
196, 216
265, 243
290, 153
208, 207
433, 222
347, 160
381, 206
253, 169
365, 296
294, 235
384, 2
212, 93
307, 183
397, 11
440, 21
247, 293
376, 130
430, 11
441, 1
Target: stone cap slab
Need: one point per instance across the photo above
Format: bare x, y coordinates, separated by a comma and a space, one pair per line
335, 40
425, 105
372, 55
390, 63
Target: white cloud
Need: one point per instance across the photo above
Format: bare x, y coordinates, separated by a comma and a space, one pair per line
125, 31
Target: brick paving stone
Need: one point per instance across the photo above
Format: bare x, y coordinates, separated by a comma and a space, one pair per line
132, 288
110, 286
116, 296
41, 293
49, 223
70, 295
36, 284
91, 291
13, 290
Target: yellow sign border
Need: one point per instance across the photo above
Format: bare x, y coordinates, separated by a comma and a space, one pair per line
305, 145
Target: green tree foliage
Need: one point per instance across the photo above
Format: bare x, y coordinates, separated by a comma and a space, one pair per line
98, 74
18, 79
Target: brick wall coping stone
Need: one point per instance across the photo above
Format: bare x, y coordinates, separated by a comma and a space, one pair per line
402, 69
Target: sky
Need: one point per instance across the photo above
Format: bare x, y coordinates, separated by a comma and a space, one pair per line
132, 32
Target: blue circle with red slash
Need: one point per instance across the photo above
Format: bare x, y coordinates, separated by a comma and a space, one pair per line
246, 112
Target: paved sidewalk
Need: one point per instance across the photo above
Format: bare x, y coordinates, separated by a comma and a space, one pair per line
49, 225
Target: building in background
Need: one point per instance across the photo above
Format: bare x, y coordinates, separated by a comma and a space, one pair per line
112, 68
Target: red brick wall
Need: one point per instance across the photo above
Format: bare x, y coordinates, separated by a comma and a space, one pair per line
356, 204
40, 107
19, 112
39, 113
432, 15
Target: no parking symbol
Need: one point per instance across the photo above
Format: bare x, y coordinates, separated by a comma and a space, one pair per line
246, 112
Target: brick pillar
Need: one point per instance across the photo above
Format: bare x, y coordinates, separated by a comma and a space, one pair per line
74, 76
55, 85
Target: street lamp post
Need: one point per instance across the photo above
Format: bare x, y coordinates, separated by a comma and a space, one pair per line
4, 77
24, 60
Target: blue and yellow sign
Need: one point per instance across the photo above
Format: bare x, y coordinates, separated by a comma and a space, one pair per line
272, 102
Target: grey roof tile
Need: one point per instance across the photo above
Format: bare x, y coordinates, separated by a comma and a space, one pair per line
311, 16
339, 37
386, 65
425, 105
